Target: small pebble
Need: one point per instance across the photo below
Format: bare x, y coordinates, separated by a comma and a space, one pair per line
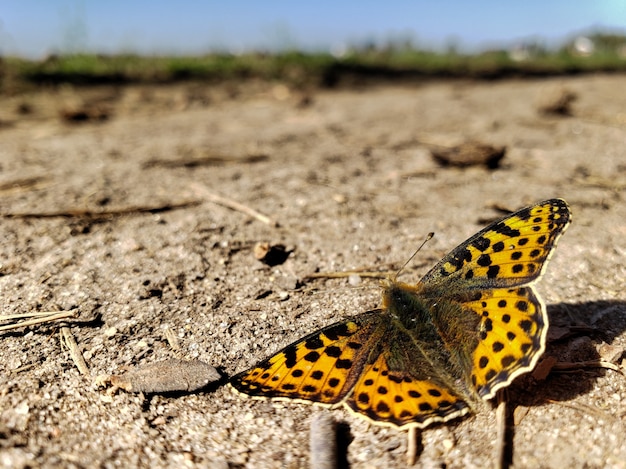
171, 375
354, 280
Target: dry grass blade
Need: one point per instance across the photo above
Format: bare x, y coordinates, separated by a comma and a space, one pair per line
214, 160
104, 214
348, 273
68, 340
234, 205
40, 318
590, 410
22, 185
573, 366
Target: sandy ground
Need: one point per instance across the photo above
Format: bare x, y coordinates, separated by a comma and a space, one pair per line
348, 177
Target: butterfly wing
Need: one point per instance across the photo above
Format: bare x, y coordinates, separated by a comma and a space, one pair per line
321, 367
401, 398
511, 337
349, 362
510, 252
491, 275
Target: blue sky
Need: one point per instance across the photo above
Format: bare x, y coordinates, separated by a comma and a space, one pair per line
34, 28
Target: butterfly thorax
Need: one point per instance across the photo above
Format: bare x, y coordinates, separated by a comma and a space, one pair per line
438, 332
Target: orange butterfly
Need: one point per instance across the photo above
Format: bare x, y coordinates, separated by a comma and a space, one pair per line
468, 328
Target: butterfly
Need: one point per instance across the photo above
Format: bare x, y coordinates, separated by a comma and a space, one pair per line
468, 328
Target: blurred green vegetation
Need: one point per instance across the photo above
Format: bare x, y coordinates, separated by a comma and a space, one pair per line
597, 53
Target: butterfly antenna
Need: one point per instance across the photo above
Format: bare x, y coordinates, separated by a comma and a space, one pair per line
428, 238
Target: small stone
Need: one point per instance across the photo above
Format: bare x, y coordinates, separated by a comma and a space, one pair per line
447, 444
271, 254
171, 375
557, 101
354, 280
469, 154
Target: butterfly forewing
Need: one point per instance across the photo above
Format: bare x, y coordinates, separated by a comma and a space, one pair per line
510, 252
321, 367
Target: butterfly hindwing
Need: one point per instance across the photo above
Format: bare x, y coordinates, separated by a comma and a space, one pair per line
511, 334
397, 398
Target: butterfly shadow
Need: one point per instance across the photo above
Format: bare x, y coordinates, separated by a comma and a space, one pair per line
575, 336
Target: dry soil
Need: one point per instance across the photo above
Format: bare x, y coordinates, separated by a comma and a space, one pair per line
110, 206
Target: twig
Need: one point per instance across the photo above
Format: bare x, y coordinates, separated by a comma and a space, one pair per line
68, 340
23, 368
412, 445
323, 442
501, 433
567, 366
100, 215
213, 160
234, 205
348, 273
48, 316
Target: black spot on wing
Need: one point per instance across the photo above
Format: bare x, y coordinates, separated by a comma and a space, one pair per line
484, 260
499, 246
505, 230
481, 243
312, 357
314, 343
290, 356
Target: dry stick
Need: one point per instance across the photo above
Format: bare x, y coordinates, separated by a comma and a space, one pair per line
104, 214
568, 366
323, 442
68, 340
234, 205
348, 273
411, 450
50, 316
171, 338
500, 457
